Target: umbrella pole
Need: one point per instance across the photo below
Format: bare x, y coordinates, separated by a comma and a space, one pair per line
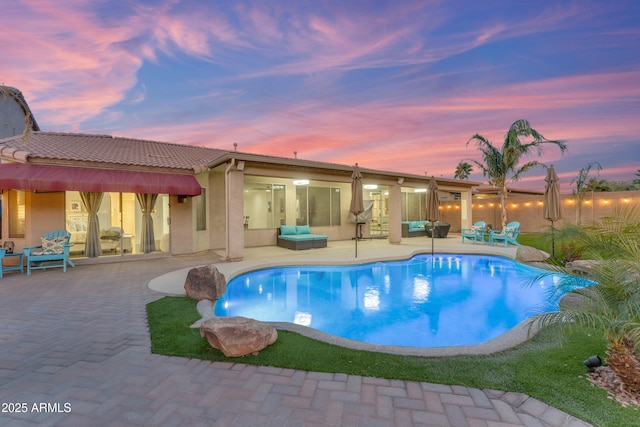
356, 239
553, 242
432, 252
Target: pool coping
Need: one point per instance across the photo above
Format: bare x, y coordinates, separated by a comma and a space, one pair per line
173, 284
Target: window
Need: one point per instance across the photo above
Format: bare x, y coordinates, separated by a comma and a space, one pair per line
16, 213
120, 222
413, 206
201, 210
264, 205
317, 206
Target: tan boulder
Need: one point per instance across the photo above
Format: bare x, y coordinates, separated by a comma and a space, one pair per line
238, 336
205, 283
529, 254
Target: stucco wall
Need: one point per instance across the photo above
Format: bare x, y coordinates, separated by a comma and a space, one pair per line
528, 210
182, 225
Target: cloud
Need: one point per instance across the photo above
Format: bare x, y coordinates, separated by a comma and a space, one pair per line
397, 86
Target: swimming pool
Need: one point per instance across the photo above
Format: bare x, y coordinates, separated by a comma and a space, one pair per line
447, 300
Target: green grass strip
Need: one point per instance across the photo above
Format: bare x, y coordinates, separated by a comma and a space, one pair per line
548, 367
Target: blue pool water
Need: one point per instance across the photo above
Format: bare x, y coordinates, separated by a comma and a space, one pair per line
446, 300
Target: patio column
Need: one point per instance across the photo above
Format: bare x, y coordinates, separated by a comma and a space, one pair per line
235, 214
466, 217
395, 214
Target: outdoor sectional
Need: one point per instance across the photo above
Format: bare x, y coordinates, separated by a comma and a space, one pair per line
299, 237
423, 228
414, 228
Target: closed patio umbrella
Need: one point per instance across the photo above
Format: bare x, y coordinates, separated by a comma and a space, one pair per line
552, 202
357, 203
432, 212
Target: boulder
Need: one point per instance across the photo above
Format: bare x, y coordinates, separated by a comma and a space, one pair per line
529, 254
205, 283
238, 336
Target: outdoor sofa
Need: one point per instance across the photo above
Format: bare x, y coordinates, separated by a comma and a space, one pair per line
423, 228
298, 237
414, 228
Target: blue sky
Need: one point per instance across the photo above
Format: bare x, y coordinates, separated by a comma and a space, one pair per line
393, 85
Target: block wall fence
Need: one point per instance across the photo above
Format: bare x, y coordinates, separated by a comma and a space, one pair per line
528, 209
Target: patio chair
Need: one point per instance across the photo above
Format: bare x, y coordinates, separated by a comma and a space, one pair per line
508, 234
475, 233
2, 252
53, 253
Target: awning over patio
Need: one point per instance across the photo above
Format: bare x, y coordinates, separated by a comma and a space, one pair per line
20, 176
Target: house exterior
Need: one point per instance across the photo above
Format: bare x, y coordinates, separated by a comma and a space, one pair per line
124, 197
153, 198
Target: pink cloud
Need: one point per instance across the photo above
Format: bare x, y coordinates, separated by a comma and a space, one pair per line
413, 135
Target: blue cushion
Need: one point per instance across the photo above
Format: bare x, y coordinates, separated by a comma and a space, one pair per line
287, 230
303, 229
298, 237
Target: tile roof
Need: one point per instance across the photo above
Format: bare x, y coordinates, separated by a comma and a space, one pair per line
106, 151
109, 150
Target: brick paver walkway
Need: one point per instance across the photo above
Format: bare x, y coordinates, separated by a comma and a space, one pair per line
75, 351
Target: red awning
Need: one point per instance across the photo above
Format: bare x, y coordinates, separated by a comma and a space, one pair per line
20, 176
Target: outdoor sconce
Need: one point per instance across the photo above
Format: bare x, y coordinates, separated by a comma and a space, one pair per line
592, 363
182, 199
240, 166
400, 181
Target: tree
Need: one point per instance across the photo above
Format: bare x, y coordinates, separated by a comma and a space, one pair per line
500, 166
463, 171
583, 184
612, 303
635, 185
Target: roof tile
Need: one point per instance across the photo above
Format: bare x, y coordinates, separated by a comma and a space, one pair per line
112, 150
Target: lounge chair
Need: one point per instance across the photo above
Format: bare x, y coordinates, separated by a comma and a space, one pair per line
475, 233
53, 253
508, 234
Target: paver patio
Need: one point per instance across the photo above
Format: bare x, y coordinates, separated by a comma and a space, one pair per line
75, 349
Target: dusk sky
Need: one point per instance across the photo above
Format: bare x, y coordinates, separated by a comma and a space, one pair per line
393, 85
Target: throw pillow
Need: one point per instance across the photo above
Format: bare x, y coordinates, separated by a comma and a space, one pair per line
303, 229
286, 230
53, 246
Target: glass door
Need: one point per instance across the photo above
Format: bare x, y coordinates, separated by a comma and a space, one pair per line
380, 212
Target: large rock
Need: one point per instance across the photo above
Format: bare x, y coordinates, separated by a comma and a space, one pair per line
238, 336
205, 283
529, 254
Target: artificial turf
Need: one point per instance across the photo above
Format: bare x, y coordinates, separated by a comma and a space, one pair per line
548, 367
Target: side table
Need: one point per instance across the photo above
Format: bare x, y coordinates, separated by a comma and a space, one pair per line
19, 267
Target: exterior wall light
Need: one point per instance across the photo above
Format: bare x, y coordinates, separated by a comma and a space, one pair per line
301, 182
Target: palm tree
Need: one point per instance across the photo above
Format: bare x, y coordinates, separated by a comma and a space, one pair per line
463, 171
612, 304
501, 165
582, 186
